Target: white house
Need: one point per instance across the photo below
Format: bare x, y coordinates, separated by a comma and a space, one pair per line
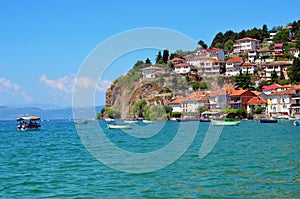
279, 67
151, 71
251, 68
176, 104
245, 44
183, 68
215, 53
193, 102
279, 102
233, 66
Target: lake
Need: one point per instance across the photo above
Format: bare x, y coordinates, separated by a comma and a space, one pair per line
252, 160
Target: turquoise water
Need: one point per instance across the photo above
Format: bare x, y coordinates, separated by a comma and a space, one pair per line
252, 160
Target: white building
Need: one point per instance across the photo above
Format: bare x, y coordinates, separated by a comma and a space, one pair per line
176, 104
233, 66
279, 102
193, 102
245, 44
151, 71
183, 68
251, 68
279, 67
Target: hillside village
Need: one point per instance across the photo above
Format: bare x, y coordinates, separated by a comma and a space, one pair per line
211, 79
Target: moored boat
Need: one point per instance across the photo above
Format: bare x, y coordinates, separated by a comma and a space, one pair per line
29, 123
268, 121
80, 122
225, 123
119, 126
297, 123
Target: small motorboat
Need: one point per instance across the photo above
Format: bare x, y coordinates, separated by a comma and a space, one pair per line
119, 126
268, 121
147, 121
297, 123
109, 120
205, 120
80, 122
29, 123
225, 123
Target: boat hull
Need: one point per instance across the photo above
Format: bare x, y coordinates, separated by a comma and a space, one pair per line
118, 126
297, 123
225, 123
268, 121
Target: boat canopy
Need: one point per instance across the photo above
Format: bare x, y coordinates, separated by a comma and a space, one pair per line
28, 118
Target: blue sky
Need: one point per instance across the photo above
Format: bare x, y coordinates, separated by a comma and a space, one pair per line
43, 43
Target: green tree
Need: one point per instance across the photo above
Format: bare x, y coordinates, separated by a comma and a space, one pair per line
148, 61
158, 59
229, 45
176, 114
138, 108
195, 85
156, 112
293, 71
202, 44
165, 56
274, 76
244, 81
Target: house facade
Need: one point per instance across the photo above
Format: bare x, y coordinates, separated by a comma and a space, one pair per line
279, 67
245, 44
279, 102
182, 68
256, 102
193, 102
151, 71
233, 66
247, 67
295, 103
239, 98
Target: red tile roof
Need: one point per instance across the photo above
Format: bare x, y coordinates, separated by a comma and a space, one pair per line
278, 45
182, 64
247, 64
196, 97
235, 60
285, 92
237, 92
271, 87
247, 39
257, 100
257, 93
177, 100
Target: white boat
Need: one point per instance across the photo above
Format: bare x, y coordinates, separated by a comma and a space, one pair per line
225, 123
29, 123
147, 121
109, 120
130, 121
119, 126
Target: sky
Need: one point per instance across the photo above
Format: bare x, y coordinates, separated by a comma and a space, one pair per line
43, 44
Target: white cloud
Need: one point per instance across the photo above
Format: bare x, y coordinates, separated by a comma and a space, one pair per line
12, 89
66, 83
6, 84
27, 98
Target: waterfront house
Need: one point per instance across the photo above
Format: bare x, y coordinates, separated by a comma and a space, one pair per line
295, 102
218, 99
193, 102
256, 102
176, 104
279, 67
151, 71
233, 66
239, 98
279, 102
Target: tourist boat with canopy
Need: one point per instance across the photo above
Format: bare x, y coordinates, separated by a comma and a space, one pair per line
28, 123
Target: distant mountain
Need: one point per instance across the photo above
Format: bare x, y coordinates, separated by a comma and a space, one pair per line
11, 113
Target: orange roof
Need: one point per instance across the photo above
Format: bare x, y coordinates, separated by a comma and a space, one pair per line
257, 93
247, 64
257, 100
279, 63
238, 92
247, 39
152, 68
235, 60
196, 97
177, 100
33, 117
285, 92
183, 64
177, 59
